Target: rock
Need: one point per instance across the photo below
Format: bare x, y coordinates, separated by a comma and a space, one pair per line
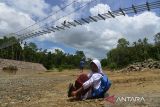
150, 60
4, 104
140, 66
12, 102
28, 99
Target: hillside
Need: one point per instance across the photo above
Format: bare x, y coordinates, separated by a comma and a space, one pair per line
23, 67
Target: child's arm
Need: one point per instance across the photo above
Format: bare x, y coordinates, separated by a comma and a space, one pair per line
93, 79
74, 93
87, 84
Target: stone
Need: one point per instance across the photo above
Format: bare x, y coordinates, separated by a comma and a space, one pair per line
141, 66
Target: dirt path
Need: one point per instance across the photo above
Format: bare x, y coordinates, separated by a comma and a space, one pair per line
49, 90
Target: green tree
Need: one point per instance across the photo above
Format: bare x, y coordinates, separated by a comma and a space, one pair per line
157, 39
157, 45
122, 43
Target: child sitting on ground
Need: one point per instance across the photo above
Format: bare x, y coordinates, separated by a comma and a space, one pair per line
93, 85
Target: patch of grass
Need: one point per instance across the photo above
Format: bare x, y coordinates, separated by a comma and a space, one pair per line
10, 69
60, 69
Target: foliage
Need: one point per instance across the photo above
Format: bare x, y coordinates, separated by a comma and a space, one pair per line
29, 52
125, 54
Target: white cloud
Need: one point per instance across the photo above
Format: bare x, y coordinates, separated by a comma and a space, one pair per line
31, 7
95, 43
99, 9
96, 39
68, 13
81, 1
12, 20
52, 50
139, 26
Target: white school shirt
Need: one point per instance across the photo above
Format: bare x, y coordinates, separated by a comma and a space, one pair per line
94, 81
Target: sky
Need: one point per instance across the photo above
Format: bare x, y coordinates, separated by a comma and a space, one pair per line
95, 39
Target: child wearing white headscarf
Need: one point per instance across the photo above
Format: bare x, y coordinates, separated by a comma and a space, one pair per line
93, 85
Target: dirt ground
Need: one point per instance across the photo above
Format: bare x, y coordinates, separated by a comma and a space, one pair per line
49, 89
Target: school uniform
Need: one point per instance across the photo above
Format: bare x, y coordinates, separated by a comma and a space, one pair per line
94, 81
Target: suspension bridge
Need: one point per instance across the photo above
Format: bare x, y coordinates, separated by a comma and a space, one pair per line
133, 9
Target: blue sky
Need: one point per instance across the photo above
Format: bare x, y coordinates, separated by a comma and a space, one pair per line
95, 39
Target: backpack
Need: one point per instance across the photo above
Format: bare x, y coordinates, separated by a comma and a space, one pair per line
105, 85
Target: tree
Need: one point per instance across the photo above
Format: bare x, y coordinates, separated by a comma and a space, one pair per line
33, 46
118, 57
104, 62
157, 39
122, 43
157, 45
80, 54
124, 54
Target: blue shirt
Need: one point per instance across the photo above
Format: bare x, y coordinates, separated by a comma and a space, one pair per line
81, 63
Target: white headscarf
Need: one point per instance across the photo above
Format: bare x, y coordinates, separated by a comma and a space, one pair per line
97, 62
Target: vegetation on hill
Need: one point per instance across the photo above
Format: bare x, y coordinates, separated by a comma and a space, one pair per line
126, 53
29, 52
119, 57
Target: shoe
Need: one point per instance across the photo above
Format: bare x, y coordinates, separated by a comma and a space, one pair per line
70, 89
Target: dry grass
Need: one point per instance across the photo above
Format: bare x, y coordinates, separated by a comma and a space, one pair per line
49, 89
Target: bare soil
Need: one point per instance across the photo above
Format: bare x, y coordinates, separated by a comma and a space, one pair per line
49, 89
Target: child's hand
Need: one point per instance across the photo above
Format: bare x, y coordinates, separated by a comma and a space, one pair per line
74, 93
